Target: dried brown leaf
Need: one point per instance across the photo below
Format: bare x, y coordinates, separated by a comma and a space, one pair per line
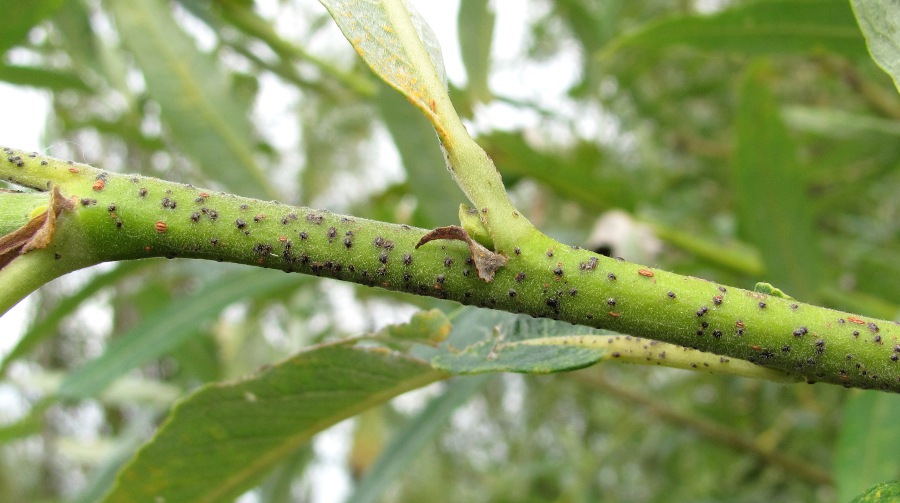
486, 261
37, 233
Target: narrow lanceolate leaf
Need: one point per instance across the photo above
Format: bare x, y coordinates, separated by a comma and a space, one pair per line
204, 119
438, 196
834, 123
54, 80
880, 24
224, 438
476, 32
773, 207
868, 444
20, 17
398, 46
165, 330
773, 27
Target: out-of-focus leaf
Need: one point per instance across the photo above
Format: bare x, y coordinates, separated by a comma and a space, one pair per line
476, 32
104, 476
73, 25
280, 486
20, 17
334, 145
31, 424
499, 348
837, 123
578, 174
591, 28
438, 196
868, 443
756, 28
46, 326
429, 327
884, 492
879, 274
736, 257
168, 327
880, 24
397, 44
770, 188
408, 442
205, 120
222, 439
862, 303
239, 14
41, 77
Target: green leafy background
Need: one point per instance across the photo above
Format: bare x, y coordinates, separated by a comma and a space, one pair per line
758, 142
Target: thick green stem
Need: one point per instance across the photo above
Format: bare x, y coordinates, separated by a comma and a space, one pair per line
131, 217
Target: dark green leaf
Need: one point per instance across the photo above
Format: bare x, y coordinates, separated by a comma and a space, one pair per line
20, 16
770, 188
868, 443
224, 438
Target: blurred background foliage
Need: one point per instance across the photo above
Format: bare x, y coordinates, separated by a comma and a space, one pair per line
734, 140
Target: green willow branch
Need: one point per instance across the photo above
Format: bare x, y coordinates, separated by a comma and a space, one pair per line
126, 217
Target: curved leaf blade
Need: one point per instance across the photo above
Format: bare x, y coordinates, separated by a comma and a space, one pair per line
880, 24
397, 44
224, 438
